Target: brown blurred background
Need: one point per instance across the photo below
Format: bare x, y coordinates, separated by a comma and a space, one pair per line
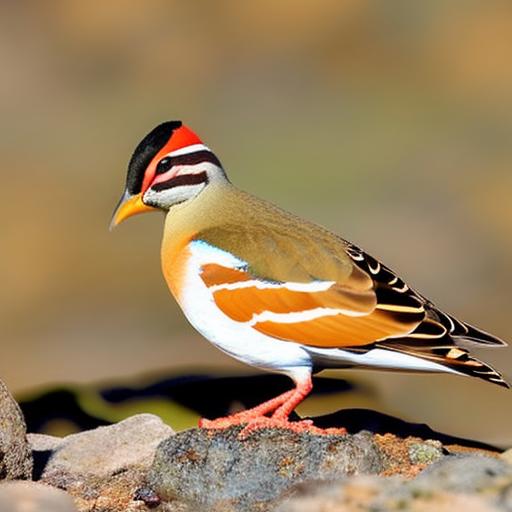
389, 122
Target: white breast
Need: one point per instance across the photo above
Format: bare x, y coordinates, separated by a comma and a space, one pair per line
237, 339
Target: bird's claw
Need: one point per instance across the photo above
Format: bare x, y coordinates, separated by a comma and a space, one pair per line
252, 424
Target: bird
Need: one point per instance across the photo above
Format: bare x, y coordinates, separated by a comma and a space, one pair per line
279, 292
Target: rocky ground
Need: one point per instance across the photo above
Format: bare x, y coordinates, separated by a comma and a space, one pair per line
140, 464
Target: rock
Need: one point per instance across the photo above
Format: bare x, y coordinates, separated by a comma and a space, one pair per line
393, 494
139, 465
15, 457
101, 468
331, 496
470, 483
507, 456
105, 450
215, 470
464, 474
34, 497
43, 442
461, 482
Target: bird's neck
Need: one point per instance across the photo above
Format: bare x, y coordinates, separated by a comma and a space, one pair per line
218, 203
201, 212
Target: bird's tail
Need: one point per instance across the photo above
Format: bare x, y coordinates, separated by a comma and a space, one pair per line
453, 357
472, 336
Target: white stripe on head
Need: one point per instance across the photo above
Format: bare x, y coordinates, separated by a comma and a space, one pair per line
194, 148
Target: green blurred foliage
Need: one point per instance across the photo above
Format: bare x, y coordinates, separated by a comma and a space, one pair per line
389, 122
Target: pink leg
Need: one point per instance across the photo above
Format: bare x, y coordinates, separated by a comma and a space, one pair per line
280, 417
250, 414
300, 392
281, 406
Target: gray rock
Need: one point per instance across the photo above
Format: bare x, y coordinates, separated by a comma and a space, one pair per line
140, 465
215, 470
463, 474
507, 456
33, 497
101, 468
470, 483
104, 451
43, 442
380, 494
15, 456
461, 482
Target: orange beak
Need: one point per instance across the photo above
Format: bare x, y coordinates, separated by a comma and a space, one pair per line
128, 206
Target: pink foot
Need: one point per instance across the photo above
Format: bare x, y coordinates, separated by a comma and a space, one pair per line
294, 426
247, 415
281, 408
253, 424
266, 423
225, 422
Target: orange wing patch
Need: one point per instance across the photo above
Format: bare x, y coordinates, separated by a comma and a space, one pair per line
338, 331
352, 316
213, 274
243, 303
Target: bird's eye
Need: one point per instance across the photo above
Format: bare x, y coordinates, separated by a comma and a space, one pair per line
163, 165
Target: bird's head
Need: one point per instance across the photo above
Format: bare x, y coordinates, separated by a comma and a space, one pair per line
169, 166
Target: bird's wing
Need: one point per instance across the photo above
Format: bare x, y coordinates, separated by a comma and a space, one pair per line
319, 313
358, 304
308, 290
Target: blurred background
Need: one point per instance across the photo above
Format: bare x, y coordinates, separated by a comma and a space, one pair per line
388, 122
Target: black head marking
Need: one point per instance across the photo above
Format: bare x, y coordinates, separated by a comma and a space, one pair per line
185, 179
189, 159
150, 145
